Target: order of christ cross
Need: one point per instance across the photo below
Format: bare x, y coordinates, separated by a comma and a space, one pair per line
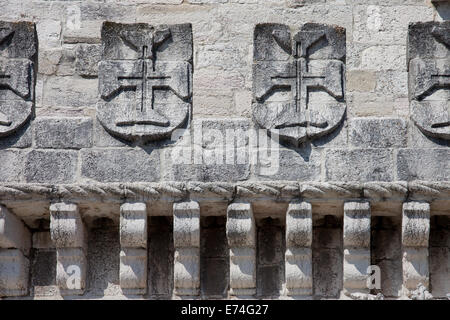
144, 76
297, 75
300, 82
146, 79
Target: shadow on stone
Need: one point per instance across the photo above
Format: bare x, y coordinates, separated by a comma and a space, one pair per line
160, 257
327, 257
215, 258
270, 257
443, 10
386, 254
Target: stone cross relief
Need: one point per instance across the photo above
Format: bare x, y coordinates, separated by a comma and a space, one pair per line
295, 121
16, 74
142, 116
429, 77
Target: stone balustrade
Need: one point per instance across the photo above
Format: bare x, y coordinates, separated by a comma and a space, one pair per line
335, 233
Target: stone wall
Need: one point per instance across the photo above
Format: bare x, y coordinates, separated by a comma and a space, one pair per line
386, 143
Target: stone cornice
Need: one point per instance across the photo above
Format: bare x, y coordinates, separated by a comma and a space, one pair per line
271, 190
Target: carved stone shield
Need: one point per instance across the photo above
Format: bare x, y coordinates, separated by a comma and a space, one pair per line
429, 77
288, 66
145, 80
18, 45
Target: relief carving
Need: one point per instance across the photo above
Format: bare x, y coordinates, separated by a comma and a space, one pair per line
288, 68
429, 77
145, 80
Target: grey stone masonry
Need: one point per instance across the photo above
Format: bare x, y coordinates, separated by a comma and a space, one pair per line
87, 58
115, 165
224, 149
51, 166
64, 133
423, 164
378, 133
359, 165
18, 59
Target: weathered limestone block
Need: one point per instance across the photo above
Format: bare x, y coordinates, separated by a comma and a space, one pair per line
356, 246
359, 165
18, 59
13, 273
133, 254
13, 232
87, 59
64, 133
298, 269
429, 77
378, 132
49, 33
69, 235
15, 241
241, 235
13, 162
68, 92
135, 165
145, 80
50, 166
303, 164
312, 58
423, 164
415, 236
186, 239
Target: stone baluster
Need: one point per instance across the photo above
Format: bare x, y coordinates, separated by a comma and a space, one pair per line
241, 235
298, 256
356, 247
69, 235
133, 252
186, 238
15, 242
415, 235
